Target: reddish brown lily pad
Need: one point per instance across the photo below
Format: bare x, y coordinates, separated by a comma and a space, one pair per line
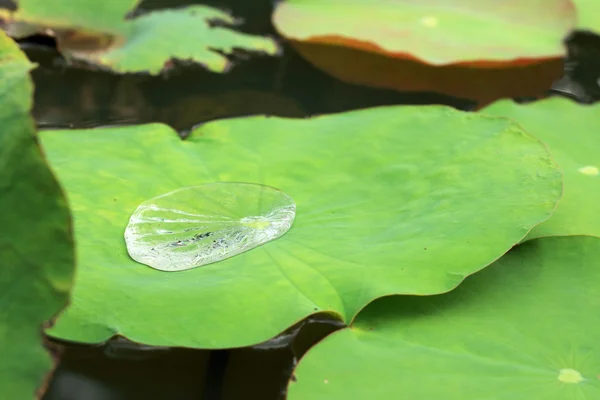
433, 31
483, 85
472, 49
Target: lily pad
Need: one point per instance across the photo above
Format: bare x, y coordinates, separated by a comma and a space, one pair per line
570, 131
184, 34
470, 49
105, 16
389, 200
526, 327
99, 33
588, 15
36, 248
458, 31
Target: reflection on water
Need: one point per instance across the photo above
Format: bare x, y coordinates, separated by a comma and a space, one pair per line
284, 86
123, 370
287, 85
187, 95
129, 372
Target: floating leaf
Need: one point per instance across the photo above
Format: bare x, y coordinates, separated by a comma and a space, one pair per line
570, 130
389, 200
183, 34
588, 15
479, 50
99, 33
198, 225
526, 327
107, 16
36, 248
460, 31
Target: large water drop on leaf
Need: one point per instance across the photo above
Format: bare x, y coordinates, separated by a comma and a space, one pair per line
199, 225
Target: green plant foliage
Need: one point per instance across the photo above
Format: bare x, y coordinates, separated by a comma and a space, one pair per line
105, 16
183, 34
390, 200
36, 249
526, 327
460, 31
570, 131
146, 43
588, 15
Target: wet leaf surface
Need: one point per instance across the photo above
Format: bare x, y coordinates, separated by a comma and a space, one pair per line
198, 225
384, 198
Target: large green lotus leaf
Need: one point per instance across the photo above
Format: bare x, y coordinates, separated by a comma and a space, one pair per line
99, 33
571, 132
524, 328
588, 15
388, 200
434, 31
36, 248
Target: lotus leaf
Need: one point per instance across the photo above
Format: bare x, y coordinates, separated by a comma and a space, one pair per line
525, 327
36, 246
570, 130
389, 200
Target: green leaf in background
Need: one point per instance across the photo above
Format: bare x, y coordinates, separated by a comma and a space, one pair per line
588, 15
36, 248
389, 200
183, 34
525, 328
106, 16
460, 31
571, 132
98, 33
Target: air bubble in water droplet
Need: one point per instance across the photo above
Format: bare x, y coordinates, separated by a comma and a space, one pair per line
199, 225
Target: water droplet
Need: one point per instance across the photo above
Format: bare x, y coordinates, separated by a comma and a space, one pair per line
199, 225
589, 170
568, 375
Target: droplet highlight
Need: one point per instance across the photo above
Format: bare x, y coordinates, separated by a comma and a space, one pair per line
429, 21
199, 225
589, 170
568, 375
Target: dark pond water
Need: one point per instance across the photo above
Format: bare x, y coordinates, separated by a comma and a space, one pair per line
187, 96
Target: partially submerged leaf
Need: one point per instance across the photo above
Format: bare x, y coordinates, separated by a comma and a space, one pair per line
571, 132
36, 248
388, 200
199, 225
526, 327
